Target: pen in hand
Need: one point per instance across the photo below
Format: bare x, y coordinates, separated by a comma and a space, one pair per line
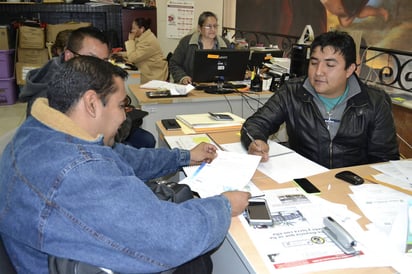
252, 139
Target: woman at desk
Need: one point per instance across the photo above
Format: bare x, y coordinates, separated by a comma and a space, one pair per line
206, 37
143, 49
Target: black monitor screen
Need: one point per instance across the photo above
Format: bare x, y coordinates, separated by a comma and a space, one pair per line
220, 65
258, 57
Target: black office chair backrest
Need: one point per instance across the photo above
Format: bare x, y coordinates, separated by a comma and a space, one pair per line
6, 267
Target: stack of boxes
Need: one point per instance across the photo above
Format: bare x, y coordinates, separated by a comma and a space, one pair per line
8, 87
31, 53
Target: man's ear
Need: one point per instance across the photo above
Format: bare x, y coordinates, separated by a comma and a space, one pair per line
68, 55
350, 70
91, 102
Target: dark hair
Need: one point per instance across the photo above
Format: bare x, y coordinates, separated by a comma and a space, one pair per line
61, 41
75, 42
78, 75
143, 22
341, 41
204, 16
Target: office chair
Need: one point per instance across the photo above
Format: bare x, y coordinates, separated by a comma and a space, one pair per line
6, 267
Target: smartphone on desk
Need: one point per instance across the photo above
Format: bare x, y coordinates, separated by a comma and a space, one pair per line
170, 124
258, 213
306, 185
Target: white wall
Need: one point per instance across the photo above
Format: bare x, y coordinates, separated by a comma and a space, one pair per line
169, 45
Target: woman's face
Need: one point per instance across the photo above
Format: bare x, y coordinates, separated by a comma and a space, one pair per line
209, 28
136, 30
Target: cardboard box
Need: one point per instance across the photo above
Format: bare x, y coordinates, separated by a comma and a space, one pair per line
6, 63
22, 69
8, 91
4, 38
32, 56
53, 30
31, 38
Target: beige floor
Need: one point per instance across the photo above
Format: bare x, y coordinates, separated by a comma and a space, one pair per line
11, 116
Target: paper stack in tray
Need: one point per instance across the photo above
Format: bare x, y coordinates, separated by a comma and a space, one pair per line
203, 122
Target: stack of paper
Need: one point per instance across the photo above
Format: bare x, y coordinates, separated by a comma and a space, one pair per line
175, 89
203, 122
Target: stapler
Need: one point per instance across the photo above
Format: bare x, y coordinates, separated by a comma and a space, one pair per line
339, 236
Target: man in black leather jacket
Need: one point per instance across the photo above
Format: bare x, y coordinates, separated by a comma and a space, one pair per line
331, 117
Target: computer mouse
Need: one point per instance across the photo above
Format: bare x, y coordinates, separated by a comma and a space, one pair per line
350, 177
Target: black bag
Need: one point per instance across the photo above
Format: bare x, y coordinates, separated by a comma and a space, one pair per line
171, 191
134, 119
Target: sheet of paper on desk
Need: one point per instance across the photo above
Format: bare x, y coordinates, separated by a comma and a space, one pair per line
296, 242
397, 173
188, 141
175, 89
284, 164
228, 171
275, 149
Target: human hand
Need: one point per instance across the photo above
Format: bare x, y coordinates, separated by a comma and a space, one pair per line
260, 148
238, 201
186, 80
203, 152
132, 35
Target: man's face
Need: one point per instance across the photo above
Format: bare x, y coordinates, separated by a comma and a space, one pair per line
327, 72
91, 47
112, 115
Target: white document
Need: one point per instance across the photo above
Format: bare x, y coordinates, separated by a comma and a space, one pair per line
279, 166
397, 173
275, 149
175, 89
188, 141
296, 242
228, 171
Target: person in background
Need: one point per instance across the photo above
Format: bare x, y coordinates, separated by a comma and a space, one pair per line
206, 37
331, 117
68, 190
143, 49
59, 45
83, 41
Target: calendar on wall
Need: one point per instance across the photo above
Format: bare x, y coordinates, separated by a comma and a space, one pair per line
180, 18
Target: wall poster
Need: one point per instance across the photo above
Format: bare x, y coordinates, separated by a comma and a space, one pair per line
180, 18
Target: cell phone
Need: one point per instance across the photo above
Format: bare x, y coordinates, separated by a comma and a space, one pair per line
221, 117
306, 185
170, 124
258, 213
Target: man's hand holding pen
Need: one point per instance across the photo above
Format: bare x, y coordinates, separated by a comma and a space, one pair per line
260, 148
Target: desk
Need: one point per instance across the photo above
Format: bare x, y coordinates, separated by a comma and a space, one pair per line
239, 255
196, 102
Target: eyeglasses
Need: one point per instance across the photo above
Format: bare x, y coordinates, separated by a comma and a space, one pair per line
209, 27
78, 54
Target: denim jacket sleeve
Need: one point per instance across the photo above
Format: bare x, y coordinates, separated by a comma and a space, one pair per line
116, 221
149, 163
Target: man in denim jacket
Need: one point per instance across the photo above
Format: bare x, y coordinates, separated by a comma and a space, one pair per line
68, 190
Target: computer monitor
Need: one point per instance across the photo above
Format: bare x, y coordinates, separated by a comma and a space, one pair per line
258, 57
219, 66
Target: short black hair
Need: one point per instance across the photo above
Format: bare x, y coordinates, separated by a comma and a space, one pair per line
339, 40
75, 42
78, 75
143, 22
